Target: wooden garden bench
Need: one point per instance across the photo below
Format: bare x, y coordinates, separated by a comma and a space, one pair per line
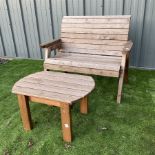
92, 45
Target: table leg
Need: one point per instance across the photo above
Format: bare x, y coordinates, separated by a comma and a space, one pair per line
25, 112
84, 105
66, 122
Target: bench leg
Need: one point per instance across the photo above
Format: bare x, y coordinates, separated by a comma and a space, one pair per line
120, 86
25, 112
126, 70
84, 105
66, 122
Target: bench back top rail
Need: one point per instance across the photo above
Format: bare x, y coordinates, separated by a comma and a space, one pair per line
100, 35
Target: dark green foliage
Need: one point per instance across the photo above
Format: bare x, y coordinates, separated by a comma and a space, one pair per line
108, 129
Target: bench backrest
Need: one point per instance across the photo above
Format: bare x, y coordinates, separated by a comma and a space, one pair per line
101, 35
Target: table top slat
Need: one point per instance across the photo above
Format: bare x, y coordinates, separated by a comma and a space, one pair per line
60, 84
62, 87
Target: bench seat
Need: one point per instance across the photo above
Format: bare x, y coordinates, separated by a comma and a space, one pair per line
100, 64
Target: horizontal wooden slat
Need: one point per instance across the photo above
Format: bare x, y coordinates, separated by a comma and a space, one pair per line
94, 36
59, 75
100, 57
44, 94
82, 70
61, 78
92, 52
84, 64
90, 46
96, 20
100, 17
52, 89
60, 84
97, 59
95, 31
96, 26
60, 87
93, 41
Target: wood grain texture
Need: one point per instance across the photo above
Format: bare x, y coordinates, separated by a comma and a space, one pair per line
44, 101
100, 62
95, 42
92, 52
99, 17
84, 105
94, 36
82, 70
25, 112
95, 31
66, 122
93, 45
96, 26
96, 20
128, 46
34, 85
121, 78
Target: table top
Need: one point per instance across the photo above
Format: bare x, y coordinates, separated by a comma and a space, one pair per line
62, 87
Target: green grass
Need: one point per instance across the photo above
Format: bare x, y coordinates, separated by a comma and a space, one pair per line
108, 129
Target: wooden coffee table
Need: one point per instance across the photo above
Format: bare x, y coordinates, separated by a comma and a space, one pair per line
54, 89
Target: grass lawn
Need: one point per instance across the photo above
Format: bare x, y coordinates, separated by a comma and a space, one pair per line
108, 129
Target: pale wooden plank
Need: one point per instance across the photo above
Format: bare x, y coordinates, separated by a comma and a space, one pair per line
82, 70
52, 89
65, 75
95, 31
83, 64
44, 94
92, 52
59, 84
94, 36
89, 56
96, 20
97, 59
100, 17
90, 46
96, 26
101, 60
92, 41
69, 78
110, 64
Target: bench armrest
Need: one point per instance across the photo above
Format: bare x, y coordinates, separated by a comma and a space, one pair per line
55, 44
127, 47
